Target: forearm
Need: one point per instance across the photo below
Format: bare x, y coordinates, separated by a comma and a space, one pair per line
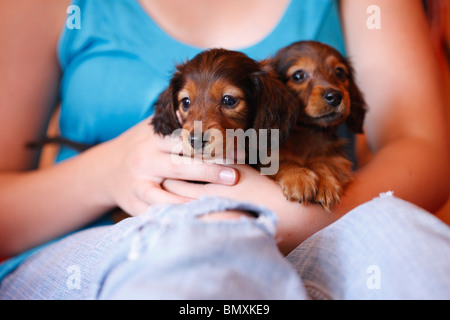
405, 123
40, 205
415, 170
124, 172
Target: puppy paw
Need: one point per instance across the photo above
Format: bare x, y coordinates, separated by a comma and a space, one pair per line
334, 173
329, 192
299, 184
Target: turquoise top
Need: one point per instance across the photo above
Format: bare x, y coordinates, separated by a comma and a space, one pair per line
115, 66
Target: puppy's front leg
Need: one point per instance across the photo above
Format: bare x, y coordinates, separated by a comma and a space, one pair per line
297, 182
334, 173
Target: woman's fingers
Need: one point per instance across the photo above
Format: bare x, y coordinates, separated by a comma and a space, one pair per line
147, 160
184, 189
169, 144
154, 194
149, 193
191, 170
176, 166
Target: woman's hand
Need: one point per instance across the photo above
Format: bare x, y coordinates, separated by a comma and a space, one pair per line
142, 160
252, 187
295, 222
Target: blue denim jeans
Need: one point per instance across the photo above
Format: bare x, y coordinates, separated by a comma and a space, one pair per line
384, 249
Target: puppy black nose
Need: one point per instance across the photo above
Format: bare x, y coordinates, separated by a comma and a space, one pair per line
197, 142
333, 97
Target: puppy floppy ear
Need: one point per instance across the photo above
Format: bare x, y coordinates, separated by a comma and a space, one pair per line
358, 108
276, 107
165, 120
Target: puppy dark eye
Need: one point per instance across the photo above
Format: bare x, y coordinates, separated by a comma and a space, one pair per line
341, 74
299, 76
186, 104
229, 101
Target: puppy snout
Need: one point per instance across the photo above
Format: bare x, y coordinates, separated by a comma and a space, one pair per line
333, 97
199, 141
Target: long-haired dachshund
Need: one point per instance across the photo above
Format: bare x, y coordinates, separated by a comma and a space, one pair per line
223, 90
313, 165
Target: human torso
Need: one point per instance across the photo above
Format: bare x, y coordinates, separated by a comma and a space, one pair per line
120, 60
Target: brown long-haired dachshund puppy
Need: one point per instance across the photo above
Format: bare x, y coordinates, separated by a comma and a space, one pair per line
313, 165
220, 90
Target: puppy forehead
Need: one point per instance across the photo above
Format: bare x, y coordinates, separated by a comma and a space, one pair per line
316, 63
220, 87
304, 63
223, 87
188, 90
212, 89
334, 61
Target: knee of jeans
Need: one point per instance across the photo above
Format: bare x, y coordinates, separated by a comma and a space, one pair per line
387, 210
201, 210
387, 201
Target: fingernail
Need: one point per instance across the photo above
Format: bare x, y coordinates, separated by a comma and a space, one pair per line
228, 176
